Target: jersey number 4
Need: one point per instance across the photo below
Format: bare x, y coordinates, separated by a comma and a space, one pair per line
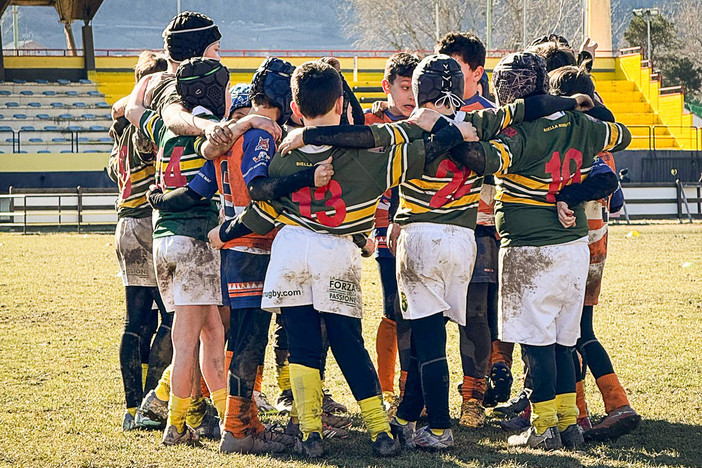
172, 177
304, 198
560, 172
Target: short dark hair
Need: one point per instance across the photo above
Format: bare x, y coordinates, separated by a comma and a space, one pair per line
465, 45
149, 62
400, 64
316, 86
569, 80
555, 53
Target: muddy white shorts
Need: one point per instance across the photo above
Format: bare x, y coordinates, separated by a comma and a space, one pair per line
434, 266
187, 271
133, 242
541, 293
312, 268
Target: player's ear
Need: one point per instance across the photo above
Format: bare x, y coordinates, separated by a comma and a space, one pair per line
478, 72
340, 105
296, 110
386, 86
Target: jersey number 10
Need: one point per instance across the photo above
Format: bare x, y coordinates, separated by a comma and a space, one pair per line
560, 172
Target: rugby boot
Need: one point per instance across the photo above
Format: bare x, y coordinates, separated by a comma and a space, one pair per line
129, 422
501, 380
264, 407
518, 423
171, 436
585, 424
328, 432
147, 423
425, 439
472, 414
617, 423
208, 428
154, 408
550, 439
386, 446
572, 437
404, 432
285, 402
251, 443
312, 447
331, 406
514, 406
335, 420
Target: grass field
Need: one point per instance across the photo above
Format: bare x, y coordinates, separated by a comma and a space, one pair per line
61, 312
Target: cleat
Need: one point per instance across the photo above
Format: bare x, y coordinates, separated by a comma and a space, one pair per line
549, 440
385, 445
171, 436
426, 440
276, 433
403, 432
331, 406
514, 406
147, 423
472, 414
208, 428
153, 408
585, 423
617, 423
312, 447
285, 402
572, 437
334, 420
501, 382
250, 444
328, 432
264, 407
516, 424
129, 422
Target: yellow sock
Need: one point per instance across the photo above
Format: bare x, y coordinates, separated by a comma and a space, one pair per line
283, 376
437, 432
543, 415
144, 371
132, 411
567, 410
403, 422
163, 389
177, 412
196, 411
219, 398
374, 416
307, 392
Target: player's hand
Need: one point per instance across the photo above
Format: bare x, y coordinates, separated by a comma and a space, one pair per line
583, 102
153, 195
213, 236
378, 108
565, 215
393, 233
219, 134
368, 249
323, 173
424, 118
265, 124
292, 141
589, 47
467, 130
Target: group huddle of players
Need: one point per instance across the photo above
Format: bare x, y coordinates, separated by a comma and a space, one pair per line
238, 202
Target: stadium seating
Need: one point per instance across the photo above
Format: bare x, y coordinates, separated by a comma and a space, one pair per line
54, 117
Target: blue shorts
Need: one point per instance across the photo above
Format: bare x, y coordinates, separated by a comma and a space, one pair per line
242, 278
485, 270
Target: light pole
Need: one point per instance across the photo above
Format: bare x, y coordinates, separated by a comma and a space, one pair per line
647, 14
436, 19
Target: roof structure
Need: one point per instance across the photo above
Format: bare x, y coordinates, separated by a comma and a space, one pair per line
68, 10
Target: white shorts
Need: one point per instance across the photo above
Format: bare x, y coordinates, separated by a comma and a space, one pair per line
541, 293
434, 266
133, 242
187, 271
312, 268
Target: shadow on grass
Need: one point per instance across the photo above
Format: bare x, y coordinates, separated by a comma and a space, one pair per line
653, 443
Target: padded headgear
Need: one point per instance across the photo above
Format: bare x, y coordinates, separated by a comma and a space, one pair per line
438, 79
241, 96
203, 82
519, 75
272, 80
189, 34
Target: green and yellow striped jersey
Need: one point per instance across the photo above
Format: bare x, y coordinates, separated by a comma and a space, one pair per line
177, 163
132, 171
347, 204
532, 161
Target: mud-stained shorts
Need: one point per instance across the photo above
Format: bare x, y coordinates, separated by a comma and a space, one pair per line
434, 267
541, 293
133, 243
187, 271
312, 268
